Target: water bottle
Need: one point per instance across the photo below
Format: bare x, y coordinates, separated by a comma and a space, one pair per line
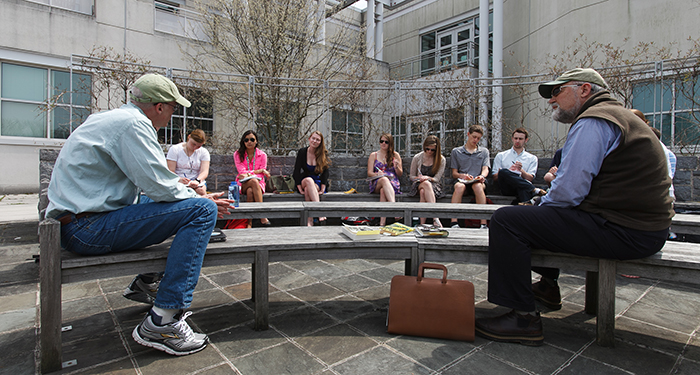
234, 193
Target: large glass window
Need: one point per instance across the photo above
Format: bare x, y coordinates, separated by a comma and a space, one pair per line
450, 47
346, 132
673, 107
40, 102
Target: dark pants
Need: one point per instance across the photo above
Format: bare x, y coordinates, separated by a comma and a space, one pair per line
512, 183
516, 230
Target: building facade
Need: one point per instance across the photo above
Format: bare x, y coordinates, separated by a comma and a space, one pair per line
426, 57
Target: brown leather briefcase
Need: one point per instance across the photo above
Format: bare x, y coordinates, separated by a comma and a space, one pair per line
429, 307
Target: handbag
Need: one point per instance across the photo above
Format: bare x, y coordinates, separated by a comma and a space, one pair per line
430, 307
283, 184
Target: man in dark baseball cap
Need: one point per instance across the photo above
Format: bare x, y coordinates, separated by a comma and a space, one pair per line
610, 200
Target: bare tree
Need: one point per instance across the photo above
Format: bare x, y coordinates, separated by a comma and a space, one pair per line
113, 74
288, 57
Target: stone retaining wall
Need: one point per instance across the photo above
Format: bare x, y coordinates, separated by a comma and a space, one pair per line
350, 172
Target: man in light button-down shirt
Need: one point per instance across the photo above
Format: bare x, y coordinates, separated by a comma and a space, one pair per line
514, 169
95, 193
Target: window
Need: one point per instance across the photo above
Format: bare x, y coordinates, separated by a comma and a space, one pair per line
278, 126
476, 42
346, 131
398, 131
673, 107
199, 116
455, 46
38, 102
449, 127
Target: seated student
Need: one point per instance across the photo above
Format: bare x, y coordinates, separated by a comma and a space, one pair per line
514, 169
190, 161
251, 162
385, 168
311, 171
470, 163
427, 169
553, 167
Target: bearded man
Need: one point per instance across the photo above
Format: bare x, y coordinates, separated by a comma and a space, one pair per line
610, 200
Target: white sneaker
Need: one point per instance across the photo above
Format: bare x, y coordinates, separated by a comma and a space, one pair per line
483, 226
176, 338
455, 225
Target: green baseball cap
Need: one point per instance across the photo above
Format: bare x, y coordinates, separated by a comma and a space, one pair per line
577, 75
156, 88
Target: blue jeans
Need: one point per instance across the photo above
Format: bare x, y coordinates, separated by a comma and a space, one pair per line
140, 225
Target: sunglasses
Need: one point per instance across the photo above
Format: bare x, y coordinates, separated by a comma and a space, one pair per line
557, 90
383, 141
249, 140
429, 149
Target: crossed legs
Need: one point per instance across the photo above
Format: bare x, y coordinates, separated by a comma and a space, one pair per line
253, 193
386, 194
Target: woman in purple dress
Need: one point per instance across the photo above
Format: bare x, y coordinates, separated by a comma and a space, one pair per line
383, 171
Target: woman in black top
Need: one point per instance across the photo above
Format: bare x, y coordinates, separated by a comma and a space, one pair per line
311, 171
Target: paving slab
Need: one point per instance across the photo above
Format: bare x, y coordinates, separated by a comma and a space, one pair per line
329, 317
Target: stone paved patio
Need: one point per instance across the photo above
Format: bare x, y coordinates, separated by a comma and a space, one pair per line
328, 317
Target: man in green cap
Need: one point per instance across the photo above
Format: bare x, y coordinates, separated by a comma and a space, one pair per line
95, 193
610, 200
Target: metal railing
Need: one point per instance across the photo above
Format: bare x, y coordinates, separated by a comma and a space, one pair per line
178, 21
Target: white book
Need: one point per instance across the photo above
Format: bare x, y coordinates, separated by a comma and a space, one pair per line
360, 232
249, 178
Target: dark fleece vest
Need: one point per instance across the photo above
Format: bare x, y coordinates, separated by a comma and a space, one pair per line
631, 188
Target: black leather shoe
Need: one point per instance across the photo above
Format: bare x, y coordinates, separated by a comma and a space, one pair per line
548, 295
512, 327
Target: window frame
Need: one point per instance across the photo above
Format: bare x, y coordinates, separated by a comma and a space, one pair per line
345, 133
52, 102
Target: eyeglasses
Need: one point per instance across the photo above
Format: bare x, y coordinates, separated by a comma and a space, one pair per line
249, 140
176, 107
429, 149
383, 141
557, 90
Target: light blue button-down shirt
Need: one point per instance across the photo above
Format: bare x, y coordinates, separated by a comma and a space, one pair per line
105, 162
588, 142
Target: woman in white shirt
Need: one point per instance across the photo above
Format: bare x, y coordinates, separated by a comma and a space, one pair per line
190, 161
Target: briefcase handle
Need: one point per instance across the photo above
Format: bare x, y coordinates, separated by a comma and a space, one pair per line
434, 266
